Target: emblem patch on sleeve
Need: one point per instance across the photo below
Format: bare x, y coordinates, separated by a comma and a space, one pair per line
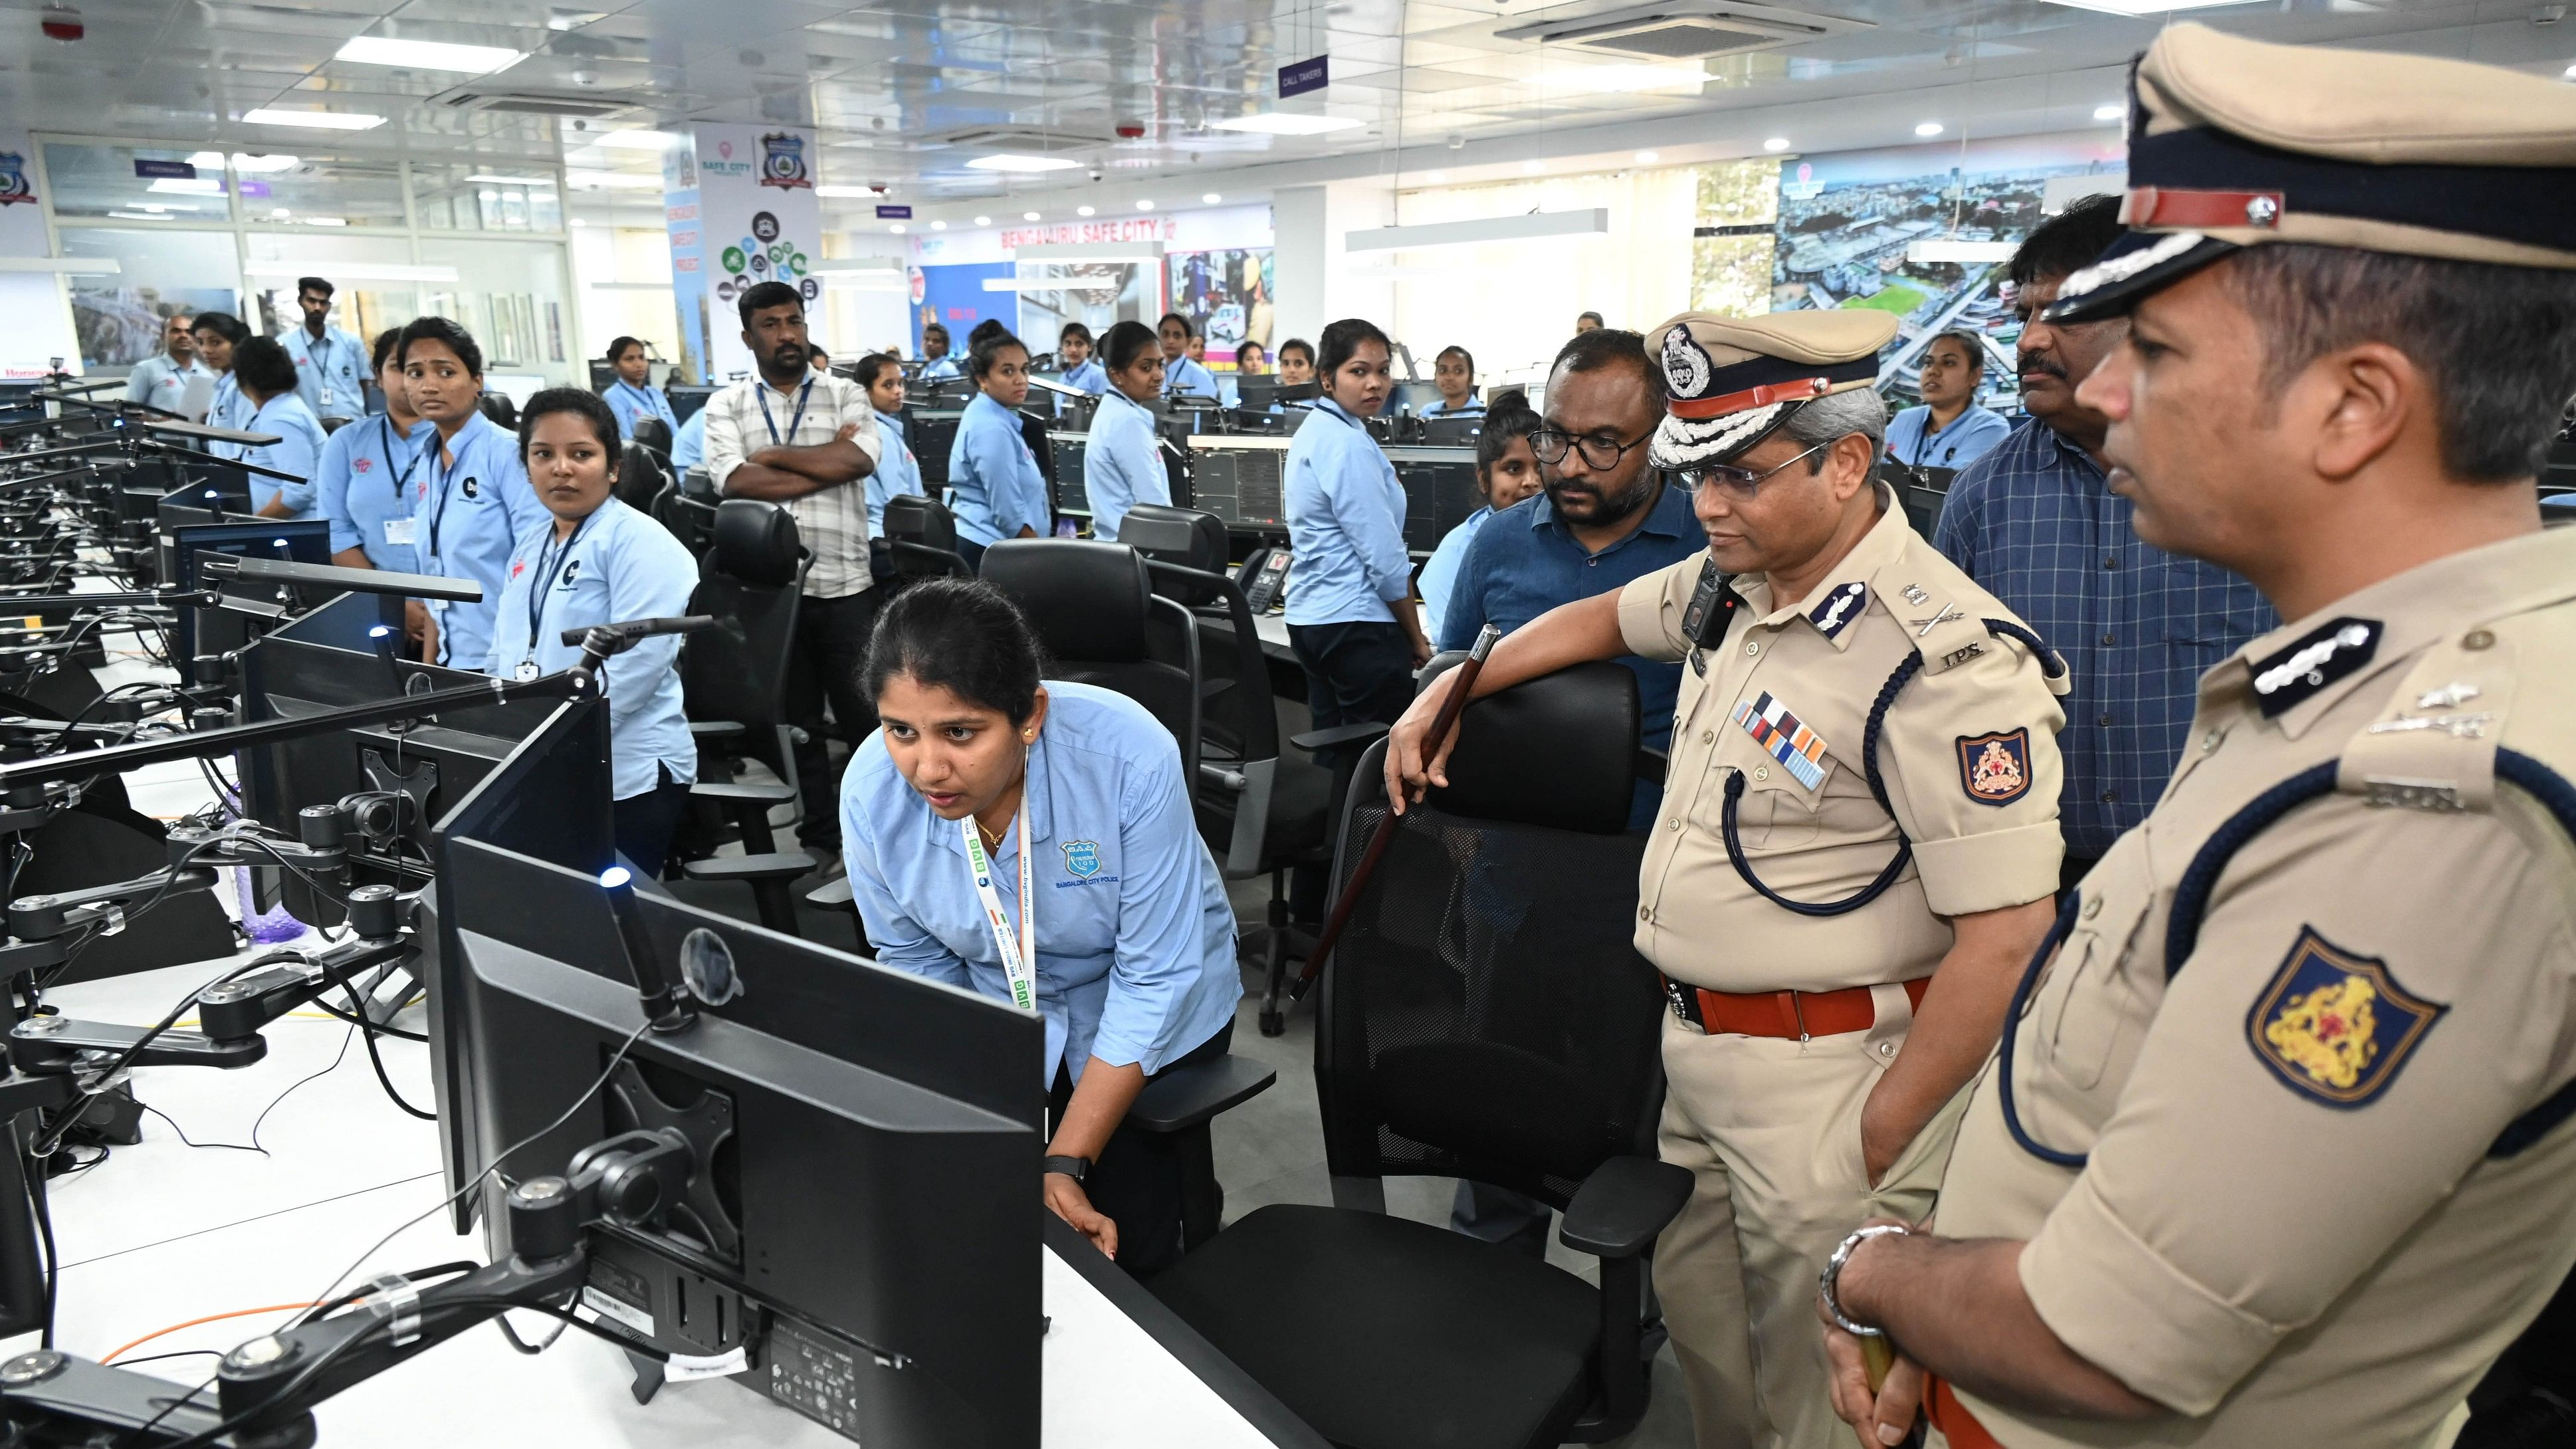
1995, 769
2336, 1026
1785, 737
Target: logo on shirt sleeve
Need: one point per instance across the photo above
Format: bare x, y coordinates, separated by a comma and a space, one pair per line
1995, 769
2334, 1025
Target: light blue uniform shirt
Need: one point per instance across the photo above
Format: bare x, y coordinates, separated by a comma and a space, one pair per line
632, 404
944, 365
994, 486
1183, 375
364, 486
1970, 436
1440, 575
227, 409
620, 565
298, 450
328, 370
158, 382
1135, 940
1441, 409
689, 444
1122, 463
1091, 377
897, 472
467, 515
1345, 523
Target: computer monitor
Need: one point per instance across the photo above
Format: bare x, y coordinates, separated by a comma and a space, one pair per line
1258, 393
1240, 479
1071, 495
1458, 432
942, 392
864, 1225
222, 630
686, 399
1410, 398
932, 432
1439, 492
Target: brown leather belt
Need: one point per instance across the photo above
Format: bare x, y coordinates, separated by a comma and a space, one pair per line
1952, 1418
1796, 1015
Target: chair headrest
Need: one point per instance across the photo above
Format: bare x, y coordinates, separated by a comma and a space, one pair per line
915, 519
1089, 601
755, 542
1183, 536
653, 433
1557, 751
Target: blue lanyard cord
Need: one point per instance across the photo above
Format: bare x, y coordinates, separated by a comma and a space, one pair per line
543, 583
446, 475
403, 482
1333, 409
644, 399
802, 395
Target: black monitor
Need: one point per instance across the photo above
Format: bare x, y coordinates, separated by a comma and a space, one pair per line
687, 399
943, 392
1410, 398
1439, 492
1072, 495
1457, 432
865, 1225
222, 630
1260, 392
932, 432
1242, 480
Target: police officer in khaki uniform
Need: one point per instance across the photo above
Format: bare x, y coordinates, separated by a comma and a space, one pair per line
1858, 849
2275, 1151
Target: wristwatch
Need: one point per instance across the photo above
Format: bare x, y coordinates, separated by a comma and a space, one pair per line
1076, 1168
1831, 1278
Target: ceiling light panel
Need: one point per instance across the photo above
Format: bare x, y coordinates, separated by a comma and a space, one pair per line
429, 55
313, 120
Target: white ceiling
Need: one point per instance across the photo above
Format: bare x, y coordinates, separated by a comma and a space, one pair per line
888, 86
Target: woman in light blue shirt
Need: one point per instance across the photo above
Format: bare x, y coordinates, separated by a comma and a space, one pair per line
364, 481
594, 560
1073, 353
266, 377
628, 397
1122, 460
1180, 374
994, 486
1506, 473
217, 334
1454, 373
897, 472
470, 499
1008, 834
1350, 597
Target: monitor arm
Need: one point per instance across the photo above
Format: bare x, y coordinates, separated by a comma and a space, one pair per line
267, 1388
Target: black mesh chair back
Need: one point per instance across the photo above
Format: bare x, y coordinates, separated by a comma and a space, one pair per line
498, 407
1094, 608
1485, 1014
749, 580
1240, 768
654, 434
641, 474
921, 537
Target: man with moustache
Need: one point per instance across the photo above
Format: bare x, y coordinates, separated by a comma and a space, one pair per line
1603, 518
2035, 523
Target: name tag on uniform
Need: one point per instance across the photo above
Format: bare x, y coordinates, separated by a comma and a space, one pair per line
398, 531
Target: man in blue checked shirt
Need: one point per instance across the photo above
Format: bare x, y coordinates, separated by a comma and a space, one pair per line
2035, 523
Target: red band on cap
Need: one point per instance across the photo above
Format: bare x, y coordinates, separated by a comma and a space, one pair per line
1703, 408
2153, 206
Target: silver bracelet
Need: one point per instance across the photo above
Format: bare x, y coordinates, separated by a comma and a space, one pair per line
1826, 1281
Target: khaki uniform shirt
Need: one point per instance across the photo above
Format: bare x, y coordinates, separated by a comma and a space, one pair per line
2290, 1229
1968, 754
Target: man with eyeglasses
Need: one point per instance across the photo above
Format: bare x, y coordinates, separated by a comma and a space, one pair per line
1858, 847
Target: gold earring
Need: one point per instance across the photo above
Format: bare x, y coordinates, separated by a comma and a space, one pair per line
1028, 734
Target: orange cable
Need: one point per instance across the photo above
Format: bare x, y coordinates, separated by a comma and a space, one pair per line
209, 1318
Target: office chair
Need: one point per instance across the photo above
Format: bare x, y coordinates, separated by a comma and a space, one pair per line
654, 434
642, 474
1094, 607
1484, 1015
921, 536
1262, 813
498, 407
733, 682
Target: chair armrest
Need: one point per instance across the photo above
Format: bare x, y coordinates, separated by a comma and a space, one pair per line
1623, 1205
1651, 765
1231, 781
753, 793
712, 729
780, 865
1349, 734
833, 895
1190, 1096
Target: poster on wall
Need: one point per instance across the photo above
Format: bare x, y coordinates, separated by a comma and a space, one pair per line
1848, 222
121, 326
688, 259
954, 296
758, 221
1226, 295
40, 325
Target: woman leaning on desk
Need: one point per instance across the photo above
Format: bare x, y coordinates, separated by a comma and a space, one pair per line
594, 560
994, 487
1350, 598
1006, 833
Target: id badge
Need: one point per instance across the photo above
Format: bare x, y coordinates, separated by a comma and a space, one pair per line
398, 531
526, 671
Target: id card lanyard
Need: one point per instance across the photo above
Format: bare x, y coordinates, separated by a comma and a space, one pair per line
803, 394
409, 466
543, 587
1019, 959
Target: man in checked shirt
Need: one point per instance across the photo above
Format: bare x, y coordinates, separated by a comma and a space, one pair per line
2035, 523
808, 441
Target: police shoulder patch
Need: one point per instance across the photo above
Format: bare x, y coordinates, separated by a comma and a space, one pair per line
2334, 1025
1995, 769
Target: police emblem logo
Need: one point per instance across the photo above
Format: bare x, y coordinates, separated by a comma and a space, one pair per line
2334, 1025
1082, 858
14, 186
1687, 369
1995, 769
1839, 608
782, 161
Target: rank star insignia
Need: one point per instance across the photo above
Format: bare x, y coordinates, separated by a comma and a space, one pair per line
2334, 1025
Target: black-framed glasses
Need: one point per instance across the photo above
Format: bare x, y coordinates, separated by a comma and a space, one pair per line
1742, 482
1550, 445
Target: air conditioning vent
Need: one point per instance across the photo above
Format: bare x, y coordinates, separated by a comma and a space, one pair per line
534, 103
1681, 31
1016, 138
